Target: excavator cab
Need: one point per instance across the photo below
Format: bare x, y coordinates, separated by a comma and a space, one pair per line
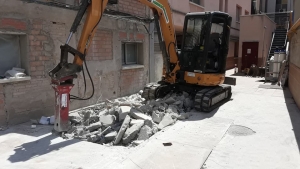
205, 42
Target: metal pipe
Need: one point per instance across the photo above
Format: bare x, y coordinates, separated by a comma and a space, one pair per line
69, 38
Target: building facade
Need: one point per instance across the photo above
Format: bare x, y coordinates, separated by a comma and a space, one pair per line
118, 58
294, 60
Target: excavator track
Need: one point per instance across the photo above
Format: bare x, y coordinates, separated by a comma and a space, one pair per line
209, 99
206, 98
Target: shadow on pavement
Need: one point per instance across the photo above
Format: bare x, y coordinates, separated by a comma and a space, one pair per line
196, 116
294, 113
38, 148
238, 74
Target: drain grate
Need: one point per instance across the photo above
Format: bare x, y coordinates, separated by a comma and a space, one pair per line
237, 130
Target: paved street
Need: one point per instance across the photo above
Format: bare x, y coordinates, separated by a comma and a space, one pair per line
258, 128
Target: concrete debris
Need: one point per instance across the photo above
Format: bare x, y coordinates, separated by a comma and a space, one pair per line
107, 120
128, 120
157, 116
124, 111
110, 136
145, 133
166, 121
134, 113
170, 100
33, 126
188, 104
34, 121
75, 119
137, 142
94, 126
133, 122
131, 133
183, 116
122, 130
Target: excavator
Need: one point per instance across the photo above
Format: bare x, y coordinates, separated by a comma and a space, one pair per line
198, 68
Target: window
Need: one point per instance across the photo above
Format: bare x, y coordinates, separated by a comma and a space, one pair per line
132, 53
238, 13
220, 5
199, 2
246, 12
226, 5
12, 52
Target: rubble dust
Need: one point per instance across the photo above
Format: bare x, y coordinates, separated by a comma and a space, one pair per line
128, 121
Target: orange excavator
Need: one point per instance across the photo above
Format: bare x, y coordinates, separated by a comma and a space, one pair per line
198, 68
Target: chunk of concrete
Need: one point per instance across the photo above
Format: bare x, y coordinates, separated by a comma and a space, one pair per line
172, 109
145, 133
146, 108
110, 136
107, 120
123, 112
131, 132
149, 123
183, 116
122, 129
137, 142
157, 116
166, 121
170, 100
94, 126
188, 103
185, 94
134, 121
134, 113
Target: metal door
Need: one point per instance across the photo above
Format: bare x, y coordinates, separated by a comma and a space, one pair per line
249, 54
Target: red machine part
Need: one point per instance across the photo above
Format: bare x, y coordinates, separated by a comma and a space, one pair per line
62, 103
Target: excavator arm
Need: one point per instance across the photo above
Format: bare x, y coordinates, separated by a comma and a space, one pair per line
166, 34
63, 74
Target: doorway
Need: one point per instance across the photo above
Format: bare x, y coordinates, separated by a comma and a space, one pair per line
249, 54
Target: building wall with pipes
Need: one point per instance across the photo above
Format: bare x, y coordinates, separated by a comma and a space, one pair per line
294, 65
37, 31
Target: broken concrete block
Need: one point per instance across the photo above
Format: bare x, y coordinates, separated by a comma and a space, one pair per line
146, 108
170, 100
134, 121
131, 133
94, 126
103, 112
166, 121
157, 116
185, 94
134, 113
123, 112
154, 129
94, 118
172, 109
140, 92
149, 123
145, 133
137, 142
110, 136
188, 103
183, 116
122, 129
107, 120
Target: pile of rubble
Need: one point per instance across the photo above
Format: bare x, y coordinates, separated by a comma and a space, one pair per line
128, 120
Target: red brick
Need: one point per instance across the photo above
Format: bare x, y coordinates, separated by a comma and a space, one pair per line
131, 36
40, 68
36, 63
35, 32
35, 43
140, 36
13, 23
122, 35
41, 37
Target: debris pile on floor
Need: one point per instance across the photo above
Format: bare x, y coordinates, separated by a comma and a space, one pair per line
128, 120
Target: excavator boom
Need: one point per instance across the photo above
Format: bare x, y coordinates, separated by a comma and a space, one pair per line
199, 69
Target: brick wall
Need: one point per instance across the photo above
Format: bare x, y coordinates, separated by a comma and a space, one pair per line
21, 101
101, 47
133, 7
131, 81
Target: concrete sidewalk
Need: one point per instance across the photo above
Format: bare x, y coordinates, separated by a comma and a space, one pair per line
259, 128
